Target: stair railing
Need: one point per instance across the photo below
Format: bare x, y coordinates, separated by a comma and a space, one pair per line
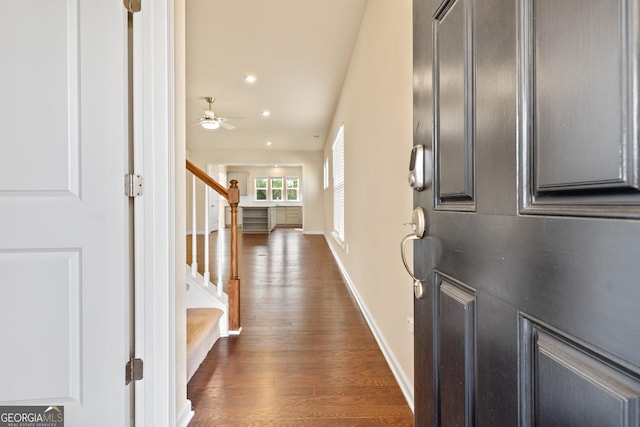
232, 195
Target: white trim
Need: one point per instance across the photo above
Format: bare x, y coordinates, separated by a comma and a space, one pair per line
313, 232
153, 85
339, 241
338, 177
398, 373
185, 415
235, 332
140, 217
198, 233
203, 293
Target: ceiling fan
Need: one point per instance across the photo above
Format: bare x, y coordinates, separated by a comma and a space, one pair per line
210, 121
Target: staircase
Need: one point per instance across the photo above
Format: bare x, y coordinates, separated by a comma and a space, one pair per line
211, 313
207, 318
203, 330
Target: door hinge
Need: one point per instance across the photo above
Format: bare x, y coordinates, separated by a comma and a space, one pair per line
133, 371
133, 6
133, 185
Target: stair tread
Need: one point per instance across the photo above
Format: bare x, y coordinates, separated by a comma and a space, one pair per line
200, 321
202, 333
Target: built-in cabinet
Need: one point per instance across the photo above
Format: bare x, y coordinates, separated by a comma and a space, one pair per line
280, 216
227, 216
289, 216
257, 219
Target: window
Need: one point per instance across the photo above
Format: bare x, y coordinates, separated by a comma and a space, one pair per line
293, 185
338, 185
261, 187
276, 188
326, 173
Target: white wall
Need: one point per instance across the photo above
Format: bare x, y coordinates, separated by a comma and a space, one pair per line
376, 108
312, 192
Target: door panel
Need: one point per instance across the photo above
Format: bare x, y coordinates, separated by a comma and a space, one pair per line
578, 89
454, 153
40, 92
54, 292
64, 234
565, 384
544, 252
456, 353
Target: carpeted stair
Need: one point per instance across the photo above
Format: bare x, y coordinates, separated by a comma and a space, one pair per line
202, 333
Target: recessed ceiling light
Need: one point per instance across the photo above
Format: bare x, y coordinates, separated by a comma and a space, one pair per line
268, 142
266, 113
250, 78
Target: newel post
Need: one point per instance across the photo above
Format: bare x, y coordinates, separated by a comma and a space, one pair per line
234, 280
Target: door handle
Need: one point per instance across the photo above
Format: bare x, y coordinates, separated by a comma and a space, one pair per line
420, 230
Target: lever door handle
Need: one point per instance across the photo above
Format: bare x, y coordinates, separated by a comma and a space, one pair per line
407, 238
420, 230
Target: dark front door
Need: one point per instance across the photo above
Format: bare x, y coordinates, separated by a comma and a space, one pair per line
531, 307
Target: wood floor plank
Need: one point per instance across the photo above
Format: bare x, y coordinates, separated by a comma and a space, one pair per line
305, 356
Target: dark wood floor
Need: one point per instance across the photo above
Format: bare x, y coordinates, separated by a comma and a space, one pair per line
305, 356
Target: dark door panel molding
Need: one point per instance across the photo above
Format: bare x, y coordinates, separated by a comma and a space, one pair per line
578, 118
565, 382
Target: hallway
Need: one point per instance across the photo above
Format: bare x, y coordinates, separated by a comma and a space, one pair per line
305, 356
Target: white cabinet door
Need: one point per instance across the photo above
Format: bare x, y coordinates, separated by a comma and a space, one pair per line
214, 215
213, 212
293, 215
281, 218
64, 234
272, 218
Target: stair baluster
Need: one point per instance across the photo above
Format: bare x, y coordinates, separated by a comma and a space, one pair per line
194, 231
207, 271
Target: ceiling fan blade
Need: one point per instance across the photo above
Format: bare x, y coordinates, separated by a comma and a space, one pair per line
226, 125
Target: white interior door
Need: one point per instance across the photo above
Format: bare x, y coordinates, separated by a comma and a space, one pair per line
64, 234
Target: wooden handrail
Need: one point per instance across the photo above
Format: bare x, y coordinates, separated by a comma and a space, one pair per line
202, 175
233, 197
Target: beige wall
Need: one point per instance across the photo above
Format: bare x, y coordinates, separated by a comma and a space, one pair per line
376, 108
311, 177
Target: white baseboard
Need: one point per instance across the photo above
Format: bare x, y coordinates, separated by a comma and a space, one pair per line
185, 415
398, 373
199, 232
313, 232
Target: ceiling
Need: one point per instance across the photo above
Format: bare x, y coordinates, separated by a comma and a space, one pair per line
298, 50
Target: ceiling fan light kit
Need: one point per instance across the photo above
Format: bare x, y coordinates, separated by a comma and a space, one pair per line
210, 121
209, 124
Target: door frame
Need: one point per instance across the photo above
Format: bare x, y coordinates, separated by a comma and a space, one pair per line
155, 260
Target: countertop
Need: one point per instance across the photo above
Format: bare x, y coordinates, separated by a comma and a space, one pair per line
268, 204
